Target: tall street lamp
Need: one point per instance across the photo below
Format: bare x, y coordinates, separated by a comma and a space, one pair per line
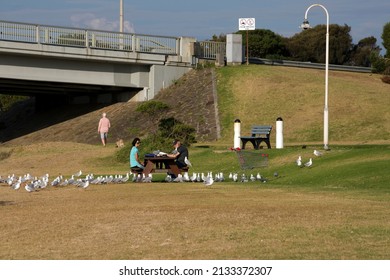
121, 16
305, 25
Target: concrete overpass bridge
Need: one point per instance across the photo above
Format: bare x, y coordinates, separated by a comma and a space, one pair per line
58, 64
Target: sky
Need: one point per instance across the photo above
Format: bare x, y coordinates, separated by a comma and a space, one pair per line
201, 18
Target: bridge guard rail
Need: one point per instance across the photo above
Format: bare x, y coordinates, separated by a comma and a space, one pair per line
75, 37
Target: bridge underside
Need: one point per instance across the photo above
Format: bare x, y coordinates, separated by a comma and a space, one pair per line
58, 93
34, 88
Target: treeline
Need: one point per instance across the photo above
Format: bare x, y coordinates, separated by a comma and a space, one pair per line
309, 45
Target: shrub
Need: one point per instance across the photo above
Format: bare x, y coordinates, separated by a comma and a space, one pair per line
174, 129
152, 107
386, 79
7, 101
168, 130
5, 155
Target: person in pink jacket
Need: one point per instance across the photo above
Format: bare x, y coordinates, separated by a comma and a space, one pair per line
104, 126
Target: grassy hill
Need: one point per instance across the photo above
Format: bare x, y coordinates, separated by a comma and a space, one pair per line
255, 94
358, 103
337, 209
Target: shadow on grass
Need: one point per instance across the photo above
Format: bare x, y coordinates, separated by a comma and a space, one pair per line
6, 203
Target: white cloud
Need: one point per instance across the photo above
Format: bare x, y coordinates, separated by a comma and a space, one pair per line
89, 20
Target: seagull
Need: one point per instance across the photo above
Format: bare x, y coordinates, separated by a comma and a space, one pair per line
186, 177
221, 177
16, 185
147, 179
299, 161
82, 183
252, 178
168, 178
178, 179
317, 153
64, 183
126, 178
208, 180
202, 177
56, 181
244, 179
193, 178
71, 180
187, 162
78, 174
309, 163
30, 187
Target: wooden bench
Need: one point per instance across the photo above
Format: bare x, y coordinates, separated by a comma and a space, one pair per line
259, 133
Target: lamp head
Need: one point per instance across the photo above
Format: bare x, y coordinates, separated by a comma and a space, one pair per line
305, 25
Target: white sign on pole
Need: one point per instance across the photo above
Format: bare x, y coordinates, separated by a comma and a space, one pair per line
246, 24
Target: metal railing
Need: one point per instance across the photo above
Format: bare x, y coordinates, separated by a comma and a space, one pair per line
75, 37
209, 49
290, 63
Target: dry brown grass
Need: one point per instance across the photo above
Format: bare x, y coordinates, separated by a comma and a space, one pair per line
171, 221
178, 221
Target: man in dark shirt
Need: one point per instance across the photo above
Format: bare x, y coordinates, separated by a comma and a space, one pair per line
180, 153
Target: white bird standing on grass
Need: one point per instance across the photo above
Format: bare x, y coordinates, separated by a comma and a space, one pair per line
317, 153
208, 180
30, 187
299, 161
309, 163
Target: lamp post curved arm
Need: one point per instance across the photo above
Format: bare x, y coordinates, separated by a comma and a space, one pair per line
326, 114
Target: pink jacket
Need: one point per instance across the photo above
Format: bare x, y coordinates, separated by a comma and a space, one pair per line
104, 125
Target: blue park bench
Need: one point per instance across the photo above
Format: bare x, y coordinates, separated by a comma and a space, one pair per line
259, 133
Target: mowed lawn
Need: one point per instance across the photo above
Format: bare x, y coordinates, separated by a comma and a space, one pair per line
188, 221
328, 211
337, 209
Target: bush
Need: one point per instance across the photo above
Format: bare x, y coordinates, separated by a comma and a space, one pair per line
386, 79
174, 129
168, 130
378, 63
152, 107
7, 101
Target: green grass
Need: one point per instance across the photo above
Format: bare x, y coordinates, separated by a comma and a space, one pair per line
341, 168
255, 94
337, 209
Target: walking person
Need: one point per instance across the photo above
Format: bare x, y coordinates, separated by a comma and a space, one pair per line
104, 126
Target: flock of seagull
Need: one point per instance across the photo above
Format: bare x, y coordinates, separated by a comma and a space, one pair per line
310, 162
208, 179
32, 184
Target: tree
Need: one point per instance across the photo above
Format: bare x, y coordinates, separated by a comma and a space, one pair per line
386, 39
309, 45
264, 43
361, 52
220, 38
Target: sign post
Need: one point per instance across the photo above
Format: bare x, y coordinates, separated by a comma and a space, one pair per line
247, 24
